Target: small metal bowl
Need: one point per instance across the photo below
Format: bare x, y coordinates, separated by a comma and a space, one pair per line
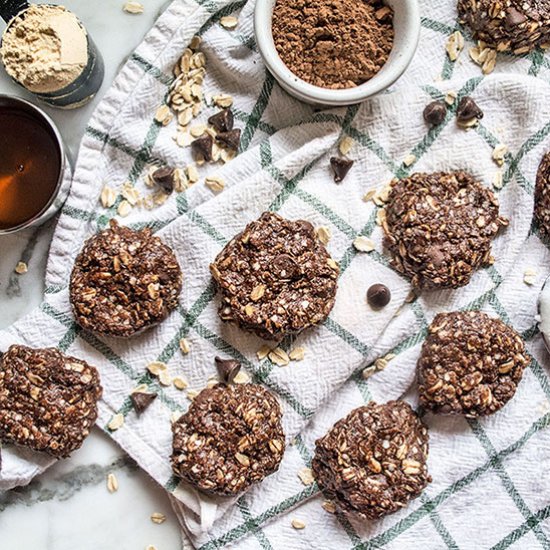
406, 23
63, 185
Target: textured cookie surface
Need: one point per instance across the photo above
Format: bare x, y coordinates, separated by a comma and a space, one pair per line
124, 281
470, 364
439, 228
230, 438
275, 278
373, 462
516, 26
542, 196
48, 401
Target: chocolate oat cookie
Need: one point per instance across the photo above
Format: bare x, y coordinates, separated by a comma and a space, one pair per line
542, 196
230, 438
516, 26
373, 461
470, 364
275, 278
439, 228
124, 281
48, 401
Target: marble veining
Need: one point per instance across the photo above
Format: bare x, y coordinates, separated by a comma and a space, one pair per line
69, 506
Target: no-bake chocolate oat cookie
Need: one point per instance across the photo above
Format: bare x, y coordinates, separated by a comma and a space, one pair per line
124, 281
542, 196
373, 462
48, 401
516, 26
230, 438
439, 228
470, 364
275, 278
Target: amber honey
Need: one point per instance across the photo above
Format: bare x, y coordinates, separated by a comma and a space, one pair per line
30, 165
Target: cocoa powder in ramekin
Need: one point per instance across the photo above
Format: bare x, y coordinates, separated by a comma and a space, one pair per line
333, 43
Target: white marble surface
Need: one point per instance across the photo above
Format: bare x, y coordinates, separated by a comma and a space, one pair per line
69, 506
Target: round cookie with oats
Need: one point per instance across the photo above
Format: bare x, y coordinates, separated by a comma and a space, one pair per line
230, 438
48, 401
470, 364
373, 462
275, 278
542, 196
124, 281
439, 227
517, 26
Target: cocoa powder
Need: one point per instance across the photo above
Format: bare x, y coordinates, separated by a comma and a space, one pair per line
333, 43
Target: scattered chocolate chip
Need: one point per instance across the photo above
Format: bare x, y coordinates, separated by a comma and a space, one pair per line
231, 139
203, 146
228, 369
222, 121
142, 400
340, 167
378, 296
514, 17
468, 109
164, 178
435, 112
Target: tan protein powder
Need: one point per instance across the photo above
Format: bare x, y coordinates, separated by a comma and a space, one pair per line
45, 48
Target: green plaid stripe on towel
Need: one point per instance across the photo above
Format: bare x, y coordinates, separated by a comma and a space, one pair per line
489, 487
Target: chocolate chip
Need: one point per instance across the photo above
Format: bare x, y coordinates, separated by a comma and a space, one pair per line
468, 109
203, 147
228, 369
142, 400
514, 17
222, 121
231, 139
340, 167
435, 112
164, 178
378, 296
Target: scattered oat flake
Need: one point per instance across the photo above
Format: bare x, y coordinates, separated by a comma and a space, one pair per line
363, 244
297, 354
192, 173
156, 367
175, 416
329, 506
112, 483
180, 383
223, 100
116, 422
323, 234
157, 517
346, 145
184, 346
163, 112
409, 160
108, 197
191, 394
21, 268
369, 195
124, 208
279, 357
135, 8
241, 378
530, 277
215, 183
229, 22
298, 524
263, 352
140, 389
306, 476
498, 180
499, 153
450, 97
455, 44
165, 379
381, 216
368, 372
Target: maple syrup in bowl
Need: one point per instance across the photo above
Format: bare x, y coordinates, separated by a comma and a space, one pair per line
34, 180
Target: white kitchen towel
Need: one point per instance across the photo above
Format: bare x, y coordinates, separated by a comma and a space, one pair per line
284, 166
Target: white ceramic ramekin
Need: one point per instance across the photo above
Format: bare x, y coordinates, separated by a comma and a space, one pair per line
406, 23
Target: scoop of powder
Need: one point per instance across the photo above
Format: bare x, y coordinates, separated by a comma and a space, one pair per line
45, 48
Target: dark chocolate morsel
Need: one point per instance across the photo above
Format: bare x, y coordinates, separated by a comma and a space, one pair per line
142, 400
222, 121
231, 139
228, 369
378, 295
203, 146
468, 109
435, 112
164, 178
340, 167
